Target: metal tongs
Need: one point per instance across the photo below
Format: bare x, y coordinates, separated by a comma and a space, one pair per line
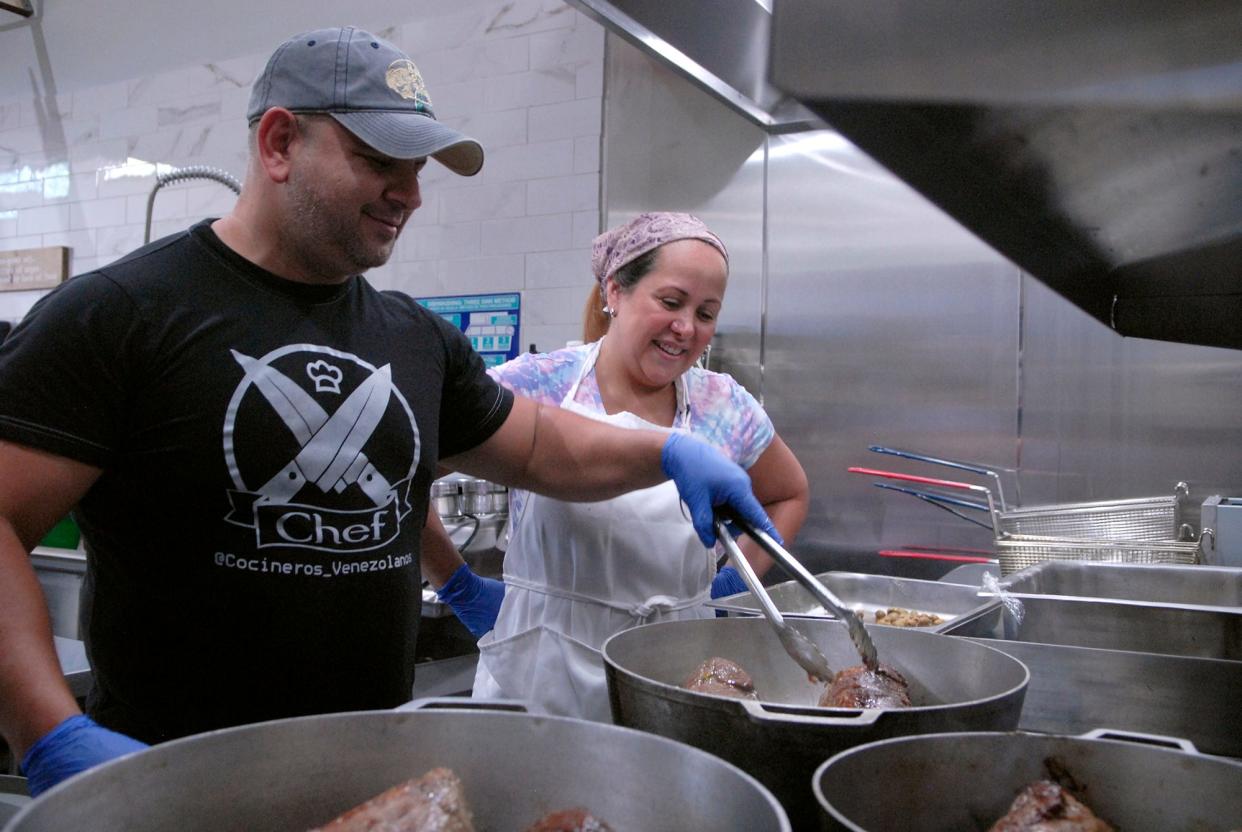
858, 632
800, 648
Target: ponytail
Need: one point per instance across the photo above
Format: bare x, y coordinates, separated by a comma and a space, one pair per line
594, 321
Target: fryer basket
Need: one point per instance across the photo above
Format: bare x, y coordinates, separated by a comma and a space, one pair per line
1019, 551
1136, 530
1143, 518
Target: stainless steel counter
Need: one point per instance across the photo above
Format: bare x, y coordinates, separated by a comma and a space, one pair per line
1117, 583
1202, 632
60, 573
1078, 689
1111, 662
445, 677
13, 796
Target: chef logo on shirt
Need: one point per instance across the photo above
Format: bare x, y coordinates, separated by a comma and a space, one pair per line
297, 437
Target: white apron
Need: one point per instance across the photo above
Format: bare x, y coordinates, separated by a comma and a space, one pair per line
576, 573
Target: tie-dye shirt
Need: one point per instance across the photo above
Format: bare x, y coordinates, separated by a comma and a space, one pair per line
722, 413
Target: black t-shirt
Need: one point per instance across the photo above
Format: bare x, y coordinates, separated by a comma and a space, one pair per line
267, 448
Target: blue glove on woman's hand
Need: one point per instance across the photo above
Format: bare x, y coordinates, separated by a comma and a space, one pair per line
74, 745
706, 479
474, 600
728, 581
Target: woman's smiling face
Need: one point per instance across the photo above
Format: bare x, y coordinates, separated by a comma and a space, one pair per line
663, 323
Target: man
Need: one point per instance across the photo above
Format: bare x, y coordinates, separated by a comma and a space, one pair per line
248, 431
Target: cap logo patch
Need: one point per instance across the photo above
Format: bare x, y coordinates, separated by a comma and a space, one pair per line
404, 79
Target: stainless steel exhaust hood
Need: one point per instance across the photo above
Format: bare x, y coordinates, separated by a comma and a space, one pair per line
720, 45
1096, 143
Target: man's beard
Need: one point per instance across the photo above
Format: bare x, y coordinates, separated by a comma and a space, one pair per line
332, 241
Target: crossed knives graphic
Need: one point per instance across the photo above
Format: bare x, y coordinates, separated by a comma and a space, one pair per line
331, 454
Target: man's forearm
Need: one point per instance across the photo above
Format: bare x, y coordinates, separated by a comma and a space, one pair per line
577, 458
563, 455
438, 557
34, 697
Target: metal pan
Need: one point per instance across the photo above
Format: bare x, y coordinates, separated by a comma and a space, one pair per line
966, 781
299, 773
1210, 587
955, 686
868, 593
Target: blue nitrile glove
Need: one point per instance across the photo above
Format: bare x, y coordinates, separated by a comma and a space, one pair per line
706, 479
728, 581
474, 600
74, 745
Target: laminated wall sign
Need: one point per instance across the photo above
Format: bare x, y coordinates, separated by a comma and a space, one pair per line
33, 268
489, 321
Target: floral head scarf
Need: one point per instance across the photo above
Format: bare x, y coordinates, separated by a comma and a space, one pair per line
623, 244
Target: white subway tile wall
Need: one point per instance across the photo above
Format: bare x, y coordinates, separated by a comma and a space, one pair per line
552, 269
524, 77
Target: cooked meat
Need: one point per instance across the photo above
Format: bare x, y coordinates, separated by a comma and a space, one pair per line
858, 687
898, 617
1043, 806
723, 678
570, 820
434, 802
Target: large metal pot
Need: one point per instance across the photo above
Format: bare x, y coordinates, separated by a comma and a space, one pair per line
966, 781
299, 773
956, 685
483, 497
446, 497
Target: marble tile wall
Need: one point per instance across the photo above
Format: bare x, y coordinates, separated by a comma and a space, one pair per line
524, 77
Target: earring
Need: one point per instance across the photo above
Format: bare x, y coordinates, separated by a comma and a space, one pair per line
608, 310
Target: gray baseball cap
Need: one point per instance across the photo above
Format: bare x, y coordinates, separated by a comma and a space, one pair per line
368, 85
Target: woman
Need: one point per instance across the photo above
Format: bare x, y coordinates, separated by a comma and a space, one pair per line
576, 573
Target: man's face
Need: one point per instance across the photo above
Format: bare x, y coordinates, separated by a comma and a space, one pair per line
347, 201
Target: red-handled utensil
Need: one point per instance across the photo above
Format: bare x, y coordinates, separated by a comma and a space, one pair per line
893, 475
964, 486
972, 467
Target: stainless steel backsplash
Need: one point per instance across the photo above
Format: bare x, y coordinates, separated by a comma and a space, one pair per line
861, 314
